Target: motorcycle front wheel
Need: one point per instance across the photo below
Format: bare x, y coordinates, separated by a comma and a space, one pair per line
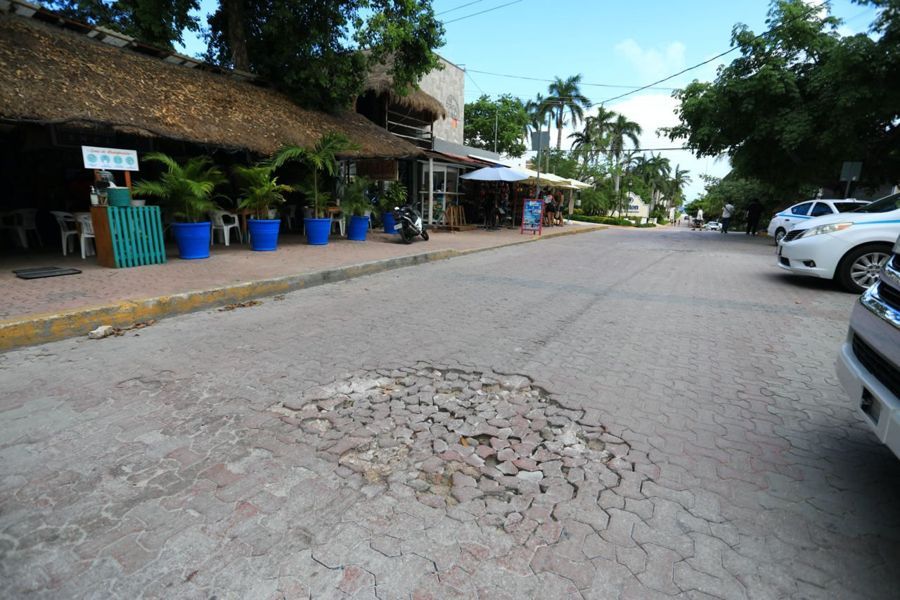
407, 235
424, 235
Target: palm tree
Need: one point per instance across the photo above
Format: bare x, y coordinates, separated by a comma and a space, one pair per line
621, 131
676, 185
260, 189
655, 171
187, 188
591, 141
323, 157
565, 97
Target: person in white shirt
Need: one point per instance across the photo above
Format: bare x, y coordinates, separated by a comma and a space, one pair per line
727, 211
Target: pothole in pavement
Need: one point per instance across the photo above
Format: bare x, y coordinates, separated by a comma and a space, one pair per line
458, 438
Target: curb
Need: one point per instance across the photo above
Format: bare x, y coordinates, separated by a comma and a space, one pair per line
51, 327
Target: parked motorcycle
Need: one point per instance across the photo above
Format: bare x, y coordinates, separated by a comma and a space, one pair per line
409, 223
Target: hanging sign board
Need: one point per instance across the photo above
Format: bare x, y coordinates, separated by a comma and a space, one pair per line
532, 216
379, 170
109, 159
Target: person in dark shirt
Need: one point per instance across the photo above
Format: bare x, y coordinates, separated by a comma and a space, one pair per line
754, 211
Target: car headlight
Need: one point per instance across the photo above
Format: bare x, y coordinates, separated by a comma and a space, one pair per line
830, 228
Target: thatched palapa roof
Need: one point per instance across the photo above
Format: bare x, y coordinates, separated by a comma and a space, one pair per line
381, 82
53, 76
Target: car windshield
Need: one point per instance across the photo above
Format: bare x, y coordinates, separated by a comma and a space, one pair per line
886, 204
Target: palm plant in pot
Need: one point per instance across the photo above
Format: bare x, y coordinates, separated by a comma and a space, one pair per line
260, 193
187, 190
356, 204
322, 160
393, 197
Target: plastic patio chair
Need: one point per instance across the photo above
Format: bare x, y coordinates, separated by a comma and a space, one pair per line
341, 221
68, 230
223, 222
86, 233
288, 214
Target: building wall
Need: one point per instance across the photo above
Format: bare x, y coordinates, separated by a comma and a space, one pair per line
448, 86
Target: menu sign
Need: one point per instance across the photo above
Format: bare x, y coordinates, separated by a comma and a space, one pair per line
532, 216
109, 159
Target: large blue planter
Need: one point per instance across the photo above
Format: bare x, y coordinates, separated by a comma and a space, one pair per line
317, 231
263, 234
389, 222
192, 239
357, 228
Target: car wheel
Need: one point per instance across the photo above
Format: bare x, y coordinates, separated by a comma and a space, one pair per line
779, 235
860, 267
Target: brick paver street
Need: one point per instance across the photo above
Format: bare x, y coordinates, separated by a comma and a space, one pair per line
621, 414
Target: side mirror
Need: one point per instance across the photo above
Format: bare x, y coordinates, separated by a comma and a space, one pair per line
396, 208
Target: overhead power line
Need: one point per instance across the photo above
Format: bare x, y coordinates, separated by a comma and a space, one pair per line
487, 10
803, 15
444, 12
544, 80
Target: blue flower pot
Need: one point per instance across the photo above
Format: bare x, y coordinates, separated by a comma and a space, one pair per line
263, 234
389, 222
357, 228
317, 231
192, 239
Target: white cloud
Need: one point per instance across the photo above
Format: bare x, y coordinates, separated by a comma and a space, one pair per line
652, 63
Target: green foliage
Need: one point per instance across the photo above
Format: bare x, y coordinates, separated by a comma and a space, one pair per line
508, 112
596, 202
800, 100
186, 189
158, 22
319, 51
355, 201
260, 190
566, 103
395, 195
607, 221
321, 159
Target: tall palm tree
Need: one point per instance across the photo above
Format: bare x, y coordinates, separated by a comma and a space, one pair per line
591, 141
621, 131
655, 171
676, 185
566, 98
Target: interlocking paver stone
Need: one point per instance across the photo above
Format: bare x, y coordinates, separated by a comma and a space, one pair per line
628, 414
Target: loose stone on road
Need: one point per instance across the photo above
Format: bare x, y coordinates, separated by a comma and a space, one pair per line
622, 414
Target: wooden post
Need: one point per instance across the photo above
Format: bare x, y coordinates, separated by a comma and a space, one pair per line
128, 180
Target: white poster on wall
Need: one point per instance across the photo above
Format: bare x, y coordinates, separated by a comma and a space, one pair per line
109, 159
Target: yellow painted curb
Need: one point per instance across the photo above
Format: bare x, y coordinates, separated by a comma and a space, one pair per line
50, 327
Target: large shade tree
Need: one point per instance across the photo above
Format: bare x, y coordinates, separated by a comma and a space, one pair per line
496, 124
801, 99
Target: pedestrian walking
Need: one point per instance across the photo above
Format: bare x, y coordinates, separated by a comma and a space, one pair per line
754, 211
727, 211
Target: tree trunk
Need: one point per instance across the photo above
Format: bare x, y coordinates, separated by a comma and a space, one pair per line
237, 33
559, 124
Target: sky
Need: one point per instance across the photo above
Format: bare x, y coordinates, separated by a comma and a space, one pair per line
608, 42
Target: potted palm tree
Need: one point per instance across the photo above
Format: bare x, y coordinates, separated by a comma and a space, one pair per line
356, 204
187, 190
260, 193
321, 159
393, 197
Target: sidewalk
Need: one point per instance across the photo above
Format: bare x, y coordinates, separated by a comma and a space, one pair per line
36, 311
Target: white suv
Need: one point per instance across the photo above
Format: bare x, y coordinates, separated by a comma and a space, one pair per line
786, 219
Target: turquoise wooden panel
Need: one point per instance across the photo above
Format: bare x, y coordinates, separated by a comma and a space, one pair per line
137, 235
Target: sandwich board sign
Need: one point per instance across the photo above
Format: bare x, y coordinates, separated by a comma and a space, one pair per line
532, 216
109, 159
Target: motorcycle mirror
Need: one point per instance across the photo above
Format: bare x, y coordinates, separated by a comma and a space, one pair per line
396, 208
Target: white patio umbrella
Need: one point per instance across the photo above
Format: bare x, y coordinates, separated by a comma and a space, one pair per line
495, 174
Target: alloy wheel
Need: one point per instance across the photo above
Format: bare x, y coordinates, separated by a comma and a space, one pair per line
865, 270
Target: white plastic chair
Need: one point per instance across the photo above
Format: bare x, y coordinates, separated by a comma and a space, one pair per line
289, 213
67, 229
223, 226
341, 221
86, 233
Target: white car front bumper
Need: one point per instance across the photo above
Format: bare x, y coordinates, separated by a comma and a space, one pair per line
817, 256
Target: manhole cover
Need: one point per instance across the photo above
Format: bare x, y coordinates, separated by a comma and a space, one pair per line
459, 437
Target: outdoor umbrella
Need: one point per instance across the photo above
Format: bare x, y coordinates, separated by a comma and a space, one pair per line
495, 174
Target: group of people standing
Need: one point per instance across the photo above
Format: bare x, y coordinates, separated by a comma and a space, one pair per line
754, 212
553, 208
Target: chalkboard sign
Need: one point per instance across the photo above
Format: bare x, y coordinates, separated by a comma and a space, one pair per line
532, 216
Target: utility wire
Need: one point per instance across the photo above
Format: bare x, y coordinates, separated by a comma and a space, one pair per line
805, 14
541, 79
443, 12
487, 10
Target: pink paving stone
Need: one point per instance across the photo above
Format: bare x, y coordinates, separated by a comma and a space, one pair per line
498, 444
97, 286
185, 456
484, 451
526, 464
355, 579
506, 454
507, 468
